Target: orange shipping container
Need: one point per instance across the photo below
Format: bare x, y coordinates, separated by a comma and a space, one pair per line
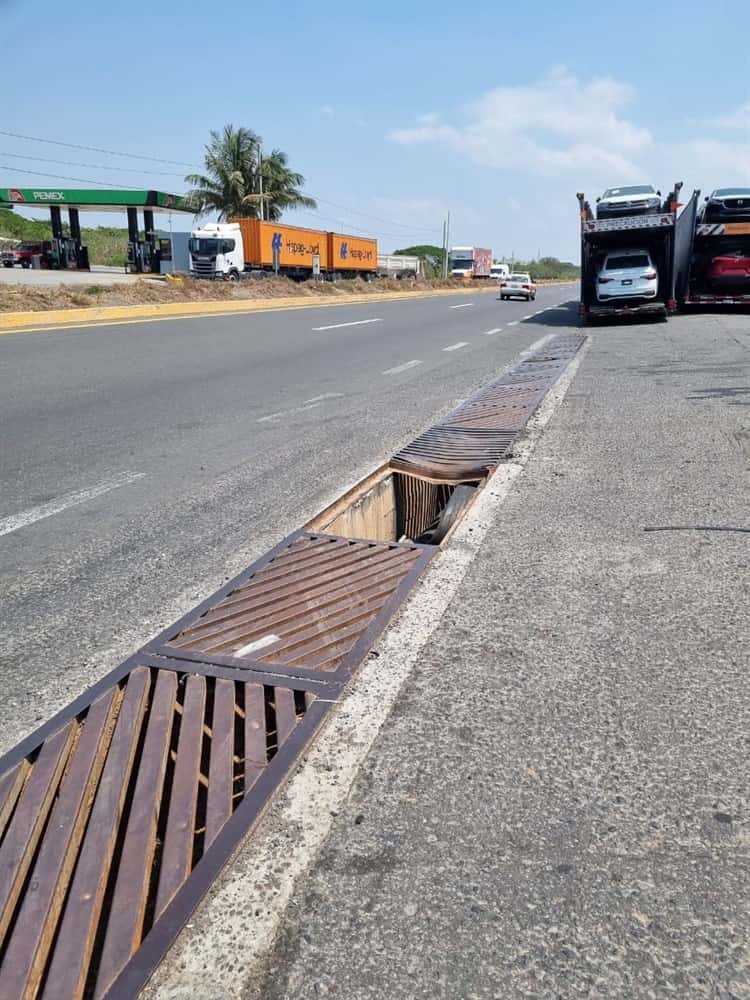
352, 253
297, 246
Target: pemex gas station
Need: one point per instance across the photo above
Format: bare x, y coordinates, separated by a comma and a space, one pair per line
146, 247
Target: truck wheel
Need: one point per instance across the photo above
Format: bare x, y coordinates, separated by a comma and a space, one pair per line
25, 265
234, 276
7, 263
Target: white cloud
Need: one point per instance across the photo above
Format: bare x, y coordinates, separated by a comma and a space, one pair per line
559, 124
712, 162
739, 118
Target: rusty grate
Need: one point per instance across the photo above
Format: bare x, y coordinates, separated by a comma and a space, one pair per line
455, 454
312, 606
119, 813
472, 440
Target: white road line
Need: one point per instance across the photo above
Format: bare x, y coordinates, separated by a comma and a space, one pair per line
455, 347
462, 305
528, 317
62, 503
489, 333
402, 368
326, 395
338, 326
514, 323
308, 404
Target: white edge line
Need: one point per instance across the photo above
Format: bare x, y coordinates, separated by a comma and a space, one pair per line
402, 368
267, 867
462, 305
455, 347
33, 514
514, 323
338, 326
489, 333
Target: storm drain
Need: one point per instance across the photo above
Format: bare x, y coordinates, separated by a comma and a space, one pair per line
455, 454
118, 814
311, 607
472, 440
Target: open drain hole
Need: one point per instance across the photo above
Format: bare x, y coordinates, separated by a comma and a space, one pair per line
392, 506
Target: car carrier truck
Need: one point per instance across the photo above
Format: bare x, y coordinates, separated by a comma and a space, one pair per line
664, 243
231, 250
716, 269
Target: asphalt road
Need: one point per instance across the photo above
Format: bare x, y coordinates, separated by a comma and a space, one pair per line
144, 464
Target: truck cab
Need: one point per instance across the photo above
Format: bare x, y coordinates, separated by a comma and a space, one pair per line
462, 262
216, 251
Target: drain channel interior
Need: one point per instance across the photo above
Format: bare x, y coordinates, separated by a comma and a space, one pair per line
393, 506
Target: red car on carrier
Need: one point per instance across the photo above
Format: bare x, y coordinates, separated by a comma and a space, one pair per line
730, 272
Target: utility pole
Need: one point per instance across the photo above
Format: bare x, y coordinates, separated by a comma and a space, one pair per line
260, 181
447, 245
442, 262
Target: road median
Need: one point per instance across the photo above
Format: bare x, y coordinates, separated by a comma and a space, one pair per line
28, 321
185, 300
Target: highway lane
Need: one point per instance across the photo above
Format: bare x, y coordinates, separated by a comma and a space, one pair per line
144, 464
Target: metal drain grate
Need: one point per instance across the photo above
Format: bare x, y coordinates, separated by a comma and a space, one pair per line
312, 606
471, 441
455, 454
119, 813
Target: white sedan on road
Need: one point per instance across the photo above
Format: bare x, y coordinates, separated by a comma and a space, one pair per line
518, 285
627, 274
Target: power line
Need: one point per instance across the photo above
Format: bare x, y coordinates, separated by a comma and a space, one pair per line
97, 149
94, 166
369, 215
62, 177
139, 156
356, 229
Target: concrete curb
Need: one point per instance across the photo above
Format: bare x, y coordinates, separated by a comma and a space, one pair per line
61, 319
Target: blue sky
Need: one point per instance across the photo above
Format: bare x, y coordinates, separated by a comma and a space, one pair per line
395, 115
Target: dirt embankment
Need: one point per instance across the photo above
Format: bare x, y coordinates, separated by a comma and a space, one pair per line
25, 298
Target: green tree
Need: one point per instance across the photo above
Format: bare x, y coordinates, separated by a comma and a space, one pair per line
431, 255
231, 184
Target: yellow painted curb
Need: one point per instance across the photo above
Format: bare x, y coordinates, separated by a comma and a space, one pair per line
63, 319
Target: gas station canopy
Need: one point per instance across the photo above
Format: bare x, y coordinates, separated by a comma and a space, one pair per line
97, 201
145, 253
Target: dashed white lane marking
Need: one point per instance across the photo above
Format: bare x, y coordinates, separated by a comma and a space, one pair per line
320, 399
22, 520
455, 347
489, 333
308, 404
515, 322
402, 368
528, 317
338, 326
462, 305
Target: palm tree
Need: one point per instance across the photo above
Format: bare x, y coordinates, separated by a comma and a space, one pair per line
231, 185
